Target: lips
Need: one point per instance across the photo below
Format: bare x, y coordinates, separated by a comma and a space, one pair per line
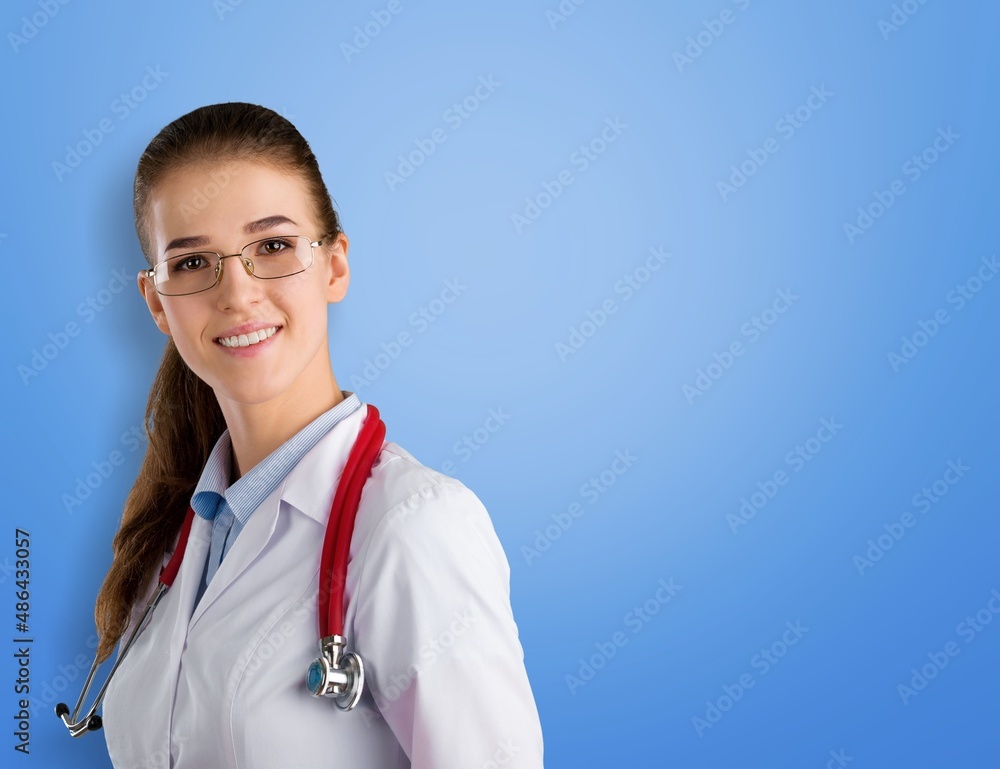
247, 334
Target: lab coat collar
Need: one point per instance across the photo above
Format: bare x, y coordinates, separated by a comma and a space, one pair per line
310, 485
308, 488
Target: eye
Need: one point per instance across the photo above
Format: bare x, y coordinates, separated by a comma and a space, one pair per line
273, 246
189, 263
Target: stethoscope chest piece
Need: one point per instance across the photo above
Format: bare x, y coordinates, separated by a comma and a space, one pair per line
336, 673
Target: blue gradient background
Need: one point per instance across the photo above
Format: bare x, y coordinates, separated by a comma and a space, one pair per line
495, 347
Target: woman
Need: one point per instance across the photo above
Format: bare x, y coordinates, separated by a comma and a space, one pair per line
248, 426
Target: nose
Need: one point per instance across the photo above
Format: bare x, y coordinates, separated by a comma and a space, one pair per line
237, 286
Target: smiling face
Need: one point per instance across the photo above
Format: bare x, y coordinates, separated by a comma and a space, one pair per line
291, 360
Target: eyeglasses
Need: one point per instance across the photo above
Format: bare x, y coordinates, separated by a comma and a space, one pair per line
269, 258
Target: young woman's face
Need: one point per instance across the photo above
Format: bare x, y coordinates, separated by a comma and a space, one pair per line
225, 207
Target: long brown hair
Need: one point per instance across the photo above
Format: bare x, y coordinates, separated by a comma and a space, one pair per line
183, 419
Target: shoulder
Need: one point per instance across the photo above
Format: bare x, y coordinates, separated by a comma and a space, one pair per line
411, 511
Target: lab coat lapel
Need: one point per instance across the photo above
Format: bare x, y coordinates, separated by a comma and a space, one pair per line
188, 578
251, 541
183, 591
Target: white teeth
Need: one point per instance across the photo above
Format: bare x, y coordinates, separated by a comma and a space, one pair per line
246, 340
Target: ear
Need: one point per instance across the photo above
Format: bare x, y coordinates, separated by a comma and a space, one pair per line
152, 298
339, 272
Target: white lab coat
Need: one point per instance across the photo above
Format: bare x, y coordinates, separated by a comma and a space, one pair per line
427, 609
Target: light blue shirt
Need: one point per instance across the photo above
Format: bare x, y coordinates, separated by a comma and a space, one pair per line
229, 507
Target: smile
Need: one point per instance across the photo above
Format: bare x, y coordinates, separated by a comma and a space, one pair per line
248, 340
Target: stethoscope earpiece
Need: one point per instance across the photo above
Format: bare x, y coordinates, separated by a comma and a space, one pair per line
91, 724
336, 673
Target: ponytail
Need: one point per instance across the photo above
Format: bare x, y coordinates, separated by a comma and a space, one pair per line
183, 423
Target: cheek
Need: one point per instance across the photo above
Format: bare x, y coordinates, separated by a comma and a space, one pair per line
184, 330
303, 301
177, 317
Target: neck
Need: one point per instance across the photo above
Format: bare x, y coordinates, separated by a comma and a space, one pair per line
257, 429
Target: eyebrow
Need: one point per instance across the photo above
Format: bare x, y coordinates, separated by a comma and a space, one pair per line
199, 241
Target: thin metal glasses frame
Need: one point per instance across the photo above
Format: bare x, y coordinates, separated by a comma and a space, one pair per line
151, 273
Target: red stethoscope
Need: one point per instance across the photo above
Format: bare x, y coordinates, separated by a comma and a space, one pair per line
335, 673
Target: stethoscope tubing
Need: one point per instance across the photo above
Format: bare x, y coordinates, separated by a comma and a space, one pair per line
333, 563
333, 575
92, 721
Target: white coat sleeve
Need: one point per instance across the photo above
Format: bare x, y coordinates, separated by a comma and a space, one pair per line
442, 653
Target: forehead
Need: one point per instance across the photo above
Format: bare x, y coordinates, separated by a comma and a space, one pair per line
216, 201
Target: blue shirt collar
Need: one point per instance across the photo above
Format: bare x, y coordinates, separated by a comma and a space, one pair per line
246, 494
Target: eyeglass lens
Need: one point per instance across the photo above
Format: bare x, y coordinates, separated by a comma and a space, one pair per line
275, 257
